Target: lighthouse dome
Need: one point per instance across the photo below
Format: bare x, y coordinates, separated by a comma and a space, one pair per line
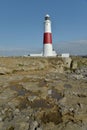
47, 17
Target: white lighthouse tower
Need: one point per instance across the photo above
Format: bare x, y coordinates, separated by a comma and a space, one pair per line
47, 38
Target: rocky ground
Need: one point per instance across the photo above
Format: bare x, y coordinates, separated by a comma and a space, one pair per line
43, 93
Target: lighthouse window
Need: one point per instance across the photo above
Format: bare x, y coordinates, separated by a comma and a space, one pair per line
47, 18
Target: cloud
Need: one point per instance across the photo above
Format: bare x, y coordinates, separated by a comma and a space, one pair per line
73, 47
18, 51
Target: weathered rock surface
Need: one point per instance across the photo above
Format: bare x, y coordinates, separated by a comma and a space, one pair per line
67, 62
43, 93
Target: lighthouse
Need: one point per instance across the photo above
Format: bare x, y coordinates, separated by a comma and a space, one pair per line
47, 38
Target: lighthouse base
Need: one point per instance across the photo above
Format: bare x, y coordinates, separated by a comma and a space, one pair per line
48, 51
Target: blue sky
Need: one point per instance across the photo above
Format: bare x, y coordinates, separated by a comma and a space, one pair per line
21, 24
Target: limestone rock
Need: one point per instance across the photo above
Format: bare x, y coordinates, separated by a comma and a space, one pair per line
1, 125
74, 65
72, 126
34, 125
67, 62
4, 71
40, 94
24, 126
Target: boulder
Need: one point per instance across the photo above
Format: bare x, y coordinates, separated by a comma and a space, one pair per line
74, 65
67, 62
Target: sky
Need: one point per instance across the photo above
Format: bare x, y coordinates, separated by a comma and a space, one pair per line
22, 25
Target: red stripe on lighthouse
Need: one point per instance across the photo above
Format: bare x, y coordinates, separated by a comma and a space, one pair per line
47, 38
